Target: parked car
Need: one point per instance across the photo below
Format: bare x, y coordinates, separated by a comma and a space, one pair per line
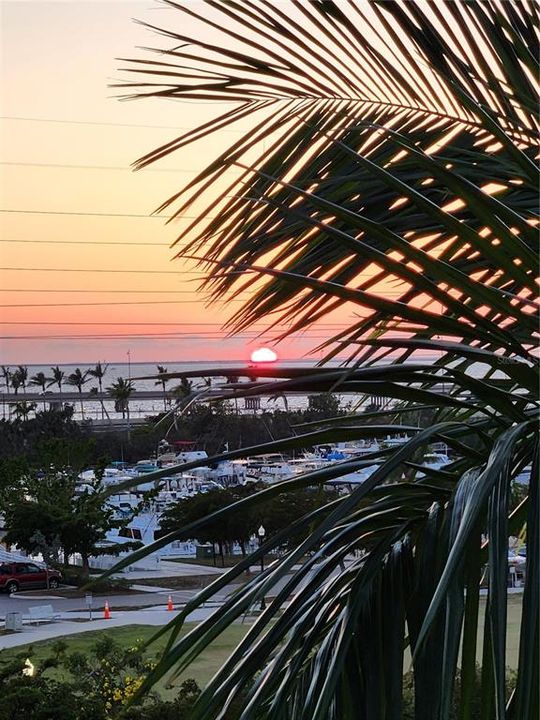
15, 576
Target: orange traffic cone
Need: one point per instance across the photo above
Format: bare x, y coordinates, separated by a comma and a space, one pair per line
106, 611
170, 605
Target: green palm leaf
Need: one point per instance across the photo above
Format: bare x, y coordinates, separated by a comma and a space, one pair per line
389, 171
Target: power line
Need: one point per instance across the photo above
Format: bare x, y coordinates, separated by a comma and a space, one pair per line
90, 242
107, 304
154, 336
331, 326
65, 166
97, 214
101, 292
104, 124
100, 270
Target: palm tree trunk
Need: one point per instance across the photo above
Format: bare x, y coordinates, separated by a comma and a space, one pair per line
82, 404
101, 399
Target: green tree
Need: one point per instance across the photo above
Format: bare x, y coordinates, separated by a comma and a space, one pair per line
198, 506
98, 685
49, 511
78, 379
184, 390
99, 373
40, 380
22, 372
6, 374
388, 173
21, 410
16, 381
162, 380
121, 391
57, 377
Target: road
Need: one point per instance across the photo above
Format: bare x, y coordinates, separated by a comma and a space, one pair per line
19, 603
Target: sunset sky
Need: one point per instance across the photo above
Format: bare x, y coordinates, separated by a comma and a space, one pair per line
73, 210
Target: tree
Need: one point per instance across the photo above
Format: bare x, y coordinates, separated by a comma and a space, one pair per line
6, 374
22, 373
41, 381
388, 174
184, 390
189, 510
78, 379
57, 378
162, 380
21, 410
16, 381
99, 373
121, 391
96, 685
46, 511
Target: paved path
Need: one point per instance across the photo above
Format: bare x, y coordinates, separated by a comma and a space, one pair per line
151, 616
168, 568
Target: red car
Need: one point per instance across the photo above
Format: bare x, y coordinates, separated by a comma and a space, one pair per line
17, 576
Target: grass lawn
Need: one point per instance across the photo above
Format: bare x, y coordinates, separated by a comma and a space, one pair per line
202, 669
512, 632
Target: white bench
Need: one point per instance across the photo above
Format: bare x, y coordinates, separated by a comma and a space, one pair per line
42, 613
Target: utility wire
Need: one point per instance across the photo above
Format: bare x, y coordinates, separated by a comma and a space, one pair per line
65, 166
326, 326
102, 292
164, 336
98, 214
107, 304
105, 124
100, 270
90, 242
126, 168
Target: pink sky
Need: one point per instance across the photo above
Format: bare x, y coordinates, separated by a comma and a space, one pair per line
78, 211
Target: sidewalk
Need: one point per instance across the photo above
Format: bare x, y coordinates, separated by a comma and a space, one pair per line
150, 616
168, 568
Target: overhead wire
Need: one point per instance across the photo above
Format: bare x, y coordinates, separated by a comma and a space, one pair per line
165, 336
75, 166
333, 326
105, 124
97, 214
101, 270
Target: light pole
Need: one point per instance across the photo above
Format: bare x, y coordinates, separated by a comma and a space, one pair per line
261, 532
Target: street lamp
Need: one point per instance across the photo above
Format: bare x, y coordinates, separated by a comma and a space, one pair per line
261, 532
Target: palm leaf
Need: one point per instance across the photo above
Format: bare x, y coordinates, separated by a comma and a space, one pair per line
389, 172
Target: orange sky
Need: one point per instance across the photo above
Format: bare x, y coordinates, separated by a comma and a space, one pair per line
66, 147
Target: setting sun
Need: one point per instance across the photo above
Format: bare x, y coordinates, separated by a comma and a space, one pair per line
263, 355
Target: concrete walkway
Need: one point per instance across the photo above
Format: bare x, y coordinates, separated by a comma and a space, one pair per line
168, 568
150, 616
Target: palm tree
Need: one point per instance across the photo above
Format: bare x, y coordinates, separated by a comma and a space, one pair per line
162, 380
185, 388
22, 409
57, 378
22, 370
6, 374
78, 379
99, 372
121, 391
16, 381
41, 381
396, 181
